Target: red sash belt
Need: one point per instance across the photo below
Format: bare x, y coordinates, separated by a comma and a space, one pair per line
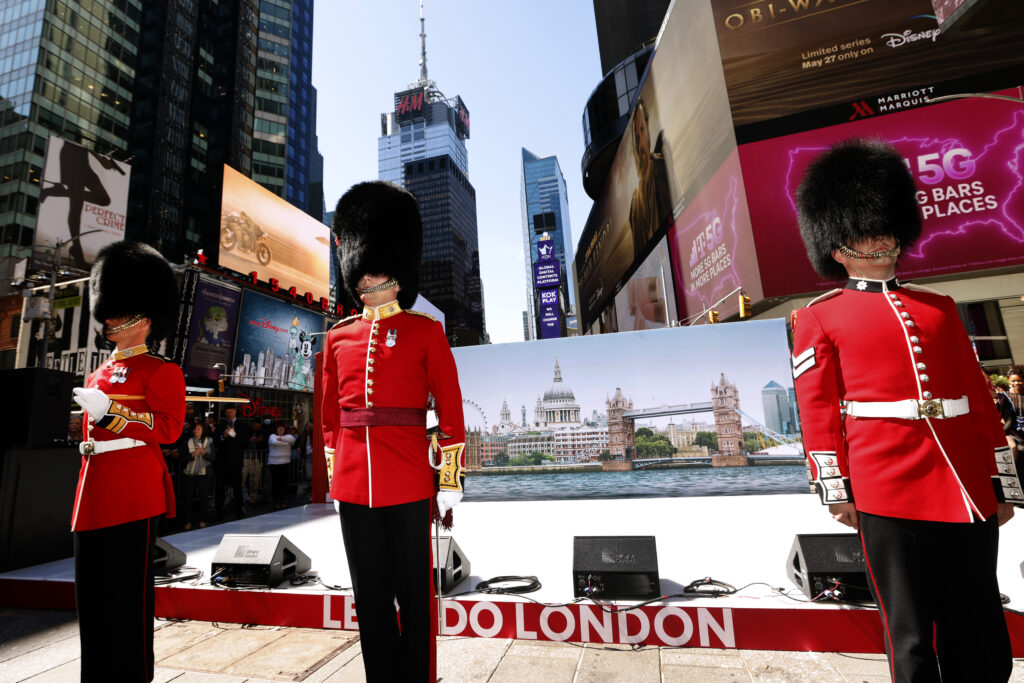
379, 417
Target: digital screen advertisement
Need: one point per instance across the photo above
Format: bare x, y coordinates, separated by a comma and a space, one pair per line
712, 246
262, 233
680, 132
967, 159
275, 344
808, 64
211, 330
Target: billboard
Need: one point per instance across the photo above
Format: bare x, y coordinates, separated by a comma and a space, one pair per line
211, 330
712, 246
967, 158
804, 64
263, 234
275, 344
647, 302
680, 132
409, 104
82, 192
568, 432
461, 118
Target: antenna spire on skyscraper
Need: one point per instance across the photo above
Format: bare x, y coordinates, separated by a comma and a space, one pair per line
423, 46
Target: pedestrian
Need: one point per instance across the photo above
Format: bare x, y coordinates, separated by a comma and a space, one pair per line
133, 402
230, 439
195, 482
902, 437
379, 369
279, 458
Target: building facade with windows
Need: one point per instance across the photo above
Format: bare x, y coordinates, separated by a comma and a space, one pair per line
66, 69
544, 205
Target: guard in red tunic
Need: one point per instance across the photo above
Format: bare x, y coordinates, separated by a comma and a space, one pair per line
901, 434
381, 369
134, 402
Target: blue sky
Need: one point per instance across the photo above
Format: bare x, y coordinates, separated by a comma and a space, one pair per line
655, 367
525, 70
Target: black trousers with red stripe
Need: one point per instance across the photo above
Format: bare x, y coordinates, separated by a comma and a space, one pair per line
114, 596
389, 559
937, 594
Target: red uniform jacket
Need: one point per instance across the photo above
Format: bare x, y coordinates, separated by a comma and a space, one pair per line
387, 358
880, 341
125, 485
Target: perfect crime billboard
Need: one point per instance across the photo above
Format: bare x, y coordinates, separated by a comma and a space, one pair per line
263, 234
82, 192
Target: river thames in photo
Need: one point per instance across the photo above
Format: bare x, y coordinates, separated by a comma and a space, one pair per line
721, 481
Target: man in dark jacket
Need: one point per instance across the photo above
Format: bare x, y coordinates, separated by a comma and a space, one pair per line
231, 439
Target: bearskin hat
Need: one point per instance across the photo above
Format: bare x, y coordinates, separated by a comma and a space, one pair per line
856, 190
379, 232
132, 278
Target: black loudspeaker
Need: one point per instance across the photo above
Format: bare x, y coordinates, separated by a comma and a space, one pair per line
455, 566
42, 399
166, 557
829, 562
615, 567
257, 560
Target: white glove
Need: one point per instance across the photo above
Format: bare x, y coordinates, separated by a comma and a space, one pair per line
93, 401
446, 500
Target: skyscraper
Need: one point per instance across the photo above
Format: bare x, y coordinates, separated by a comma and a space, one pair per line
778, 411
192, 113
423, 147
285, 158
544, 205
68, 70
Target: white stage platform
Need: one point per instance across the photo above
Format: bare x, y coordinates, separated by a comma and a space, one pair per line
739, 540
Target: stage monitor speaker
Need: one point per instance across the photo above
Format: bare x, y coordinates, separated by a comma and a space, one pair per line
826, 562
257, 560
615, 567
455, 565
166, 557
42, 397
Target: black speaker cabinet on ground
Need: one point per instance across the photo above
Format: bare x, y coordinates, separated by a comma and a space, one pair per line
166, 557
615, 567
455, 565
40, 399
257, 560
821, 562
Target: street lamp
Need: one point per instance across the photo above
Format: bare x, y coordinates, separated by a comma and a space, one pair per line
54, 272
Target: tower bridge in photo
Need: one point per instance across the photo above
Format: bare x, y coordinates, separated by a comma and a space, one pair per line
663, 411
724, 403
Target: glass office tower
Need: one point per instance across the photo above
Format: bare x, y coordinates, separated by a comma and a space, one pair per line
285, 158
545, 209
66, 69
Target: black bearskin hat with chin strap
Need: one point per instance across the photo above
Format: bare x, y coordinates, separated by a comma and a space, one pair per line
132, 278
856, 190
378, 230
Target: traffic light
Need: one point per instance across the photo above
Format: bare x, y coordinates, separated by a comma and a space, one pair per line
220, 385
712, 316
744, 306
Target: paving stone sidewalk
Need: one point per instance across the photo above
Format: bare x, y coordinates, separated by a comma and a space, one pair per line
42, 647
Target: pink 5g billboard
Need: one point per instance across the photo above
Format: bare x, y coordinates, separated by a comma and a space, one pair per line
967, 159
